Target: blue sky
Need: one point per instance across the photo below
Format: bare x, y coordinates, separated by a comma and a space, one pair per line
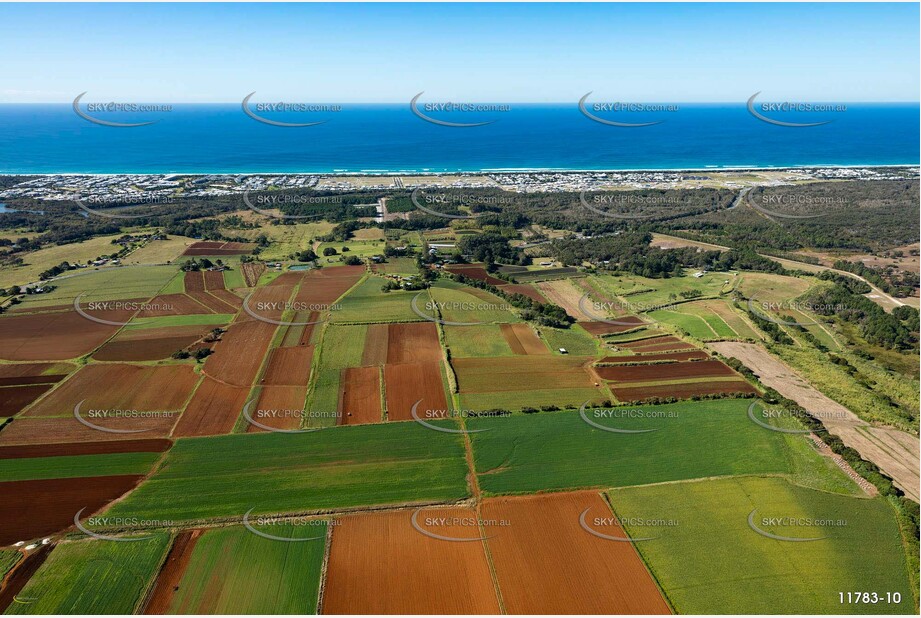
475, 52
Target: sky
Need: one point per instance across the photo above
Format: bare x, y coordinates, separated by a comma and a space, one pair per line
374, 53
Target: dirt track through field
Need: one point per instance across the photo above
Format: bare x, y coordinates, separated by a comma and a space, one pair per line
895, 452
546, 563
380, 564
161, 597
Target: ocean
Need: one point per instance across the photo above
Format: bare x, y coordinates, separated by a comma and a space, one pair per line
220, 138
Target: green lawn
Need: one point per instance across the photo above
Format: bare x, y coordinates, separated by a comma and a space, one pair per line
339, 467
709, 560
76, 466
234, 571
93, 577
558, 450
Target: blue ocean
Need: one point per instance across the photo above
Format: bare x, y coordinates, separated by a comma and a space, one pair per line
221, 138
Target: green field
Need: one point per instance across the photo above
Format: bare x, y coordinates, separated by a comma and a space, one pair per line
558, 450
110, 283
691, 324
573, 339
466, 305
233, 571
398, 266
476, 341
93, 577
286, 239
8, 559
333, 468
709, 560
76, 466
366, 303
39, 261
203, 319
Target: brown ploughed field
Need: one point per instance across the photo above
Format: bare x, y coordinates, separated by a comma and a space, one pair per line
523, 340
656, 344
214, 280
380, 564
361, 396
54, 336
682, 391
31, 509
416, 342
281, 407
161, 597
546, 563
598, 328
524, 289
33, 373
377, 340
238, 355
325, 286
154, 445
288, 366
668, 371
150, 343
474, 271
655, 358
214, 410
51, 430
407, 384
173, 304
14, 399
218, 248
121, 387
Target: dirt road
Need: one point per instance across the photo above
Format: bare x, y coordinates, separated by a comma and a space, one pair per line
895, 452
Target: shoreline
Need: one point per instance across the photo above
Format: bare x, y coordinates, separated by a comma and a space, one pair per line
541, 170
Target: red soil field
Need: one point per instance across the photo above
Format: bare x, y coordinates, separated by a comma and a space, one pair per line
524, 289
290, 279
683, 391
84, 448
360, 396
546, 563
523, 340
15, 375
651, 358
269, 302
51, 430
214, 410
177, 560
121, 387
603, 328
14, 398
353, 272
288, 366
214, 280
150, 343
238, 355
380, 564
407, 384
325, 286
669, 371
213, 303
194, 281
54, 336
218, 248
377, 340
416, 342
656, 344
519, 373
31, 509
281, 407
228, 298
20, 575
474, 271
173, 304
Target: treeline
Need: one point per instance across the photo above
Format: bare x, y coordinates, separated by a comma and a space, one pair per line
892, 281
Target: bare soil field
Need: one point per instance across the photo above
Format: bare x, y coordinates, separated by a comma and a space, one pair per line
13, 399
668, 371
52, 503
281, 407
54, 336
525, 289
564, 293
219, 248
380, 564
325, 286
171, 572
896, 452
682, 391
153, 445
603, 328
654, 358
52, 430
194, 281
269, 301
214, 410
173, 304
288, 366
546, 563
377, 339
150, 343
214, 280
121, 387
486, 375
406, 384
360, 396
23, 373
656, 344
523, 340
238, 355
415, 342
474, 271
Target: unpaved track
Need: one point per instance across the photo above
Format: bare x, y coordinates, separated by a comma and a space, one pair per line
895, 452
